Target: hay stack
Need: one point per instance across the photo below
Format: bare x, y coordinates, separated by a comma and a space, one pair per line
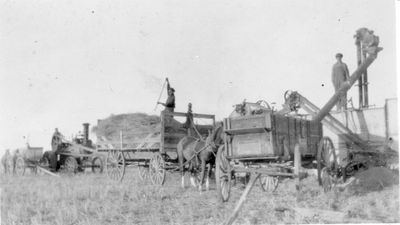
134, 126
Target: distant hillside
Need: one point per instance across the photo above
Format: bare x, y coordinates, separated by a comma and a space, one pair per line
132, 125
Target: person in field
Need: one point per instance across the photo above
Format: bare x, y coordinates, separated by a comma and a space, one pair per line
4, 159
340, 74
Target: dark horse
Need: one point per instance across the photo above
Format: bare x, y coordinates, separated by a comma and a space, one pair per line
199, 153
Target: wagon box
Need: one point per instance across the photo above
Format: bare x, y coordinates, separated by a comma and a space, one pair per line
157, 151
32, 153
270, 135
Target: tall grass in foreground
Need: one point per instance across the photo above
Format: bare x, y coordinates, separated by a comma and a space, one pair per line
93, 199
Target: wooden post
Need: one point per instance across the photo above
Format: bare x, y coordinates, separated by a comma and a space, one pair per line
360, 82
365, 85
120, 139
48, 172
242, 199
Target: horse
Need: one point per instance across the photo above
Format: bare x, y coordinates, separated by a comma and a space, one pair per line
193, 150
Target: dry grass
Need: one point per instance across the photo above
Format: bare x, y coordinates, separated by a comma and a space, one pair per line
93, 199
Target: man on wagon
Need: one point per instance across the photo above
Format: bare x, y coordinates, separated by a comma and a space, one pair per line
340, 74
170, 103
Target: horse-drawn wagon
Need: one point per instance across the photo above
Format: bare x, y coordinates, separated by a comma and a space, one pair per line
261, 142
22, 158
155, 154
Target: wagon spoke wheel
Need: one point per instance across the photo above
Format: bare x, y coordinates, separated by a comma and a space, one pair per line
326, 158
115, 165
70, 165
157, 169
143, 172
19, 168
97, 165
223, 175
269, 183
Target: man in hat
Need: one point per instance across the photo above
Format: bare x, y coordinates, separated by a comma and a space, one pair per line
189, 121
340, 74
170, 103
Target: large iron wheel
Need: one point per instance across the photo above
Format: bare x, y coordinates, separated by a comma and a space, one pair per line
115, 165
269, 183
70, 165
19, 168
326, 157
157, 169
97, 165
223, 175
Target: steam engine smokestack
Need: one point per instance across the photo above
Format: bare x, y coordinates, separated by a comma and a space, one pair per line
85, 133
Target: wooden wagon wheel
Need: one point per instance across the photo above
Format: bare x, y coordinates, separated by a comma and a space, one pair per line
269, 183
143, 172
19, 168
97, 165
115, 165
223, 175
326, 157
70, 165
157, 169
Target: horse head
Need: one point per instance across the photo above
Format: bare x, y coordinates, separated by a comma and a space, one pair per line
215, 138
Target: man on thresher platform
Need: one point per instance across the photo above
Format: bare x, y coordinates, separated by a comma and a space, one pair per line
340, 74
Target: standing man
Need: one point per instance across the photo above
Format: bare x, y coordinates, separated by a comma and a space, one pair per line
189, 121
170, 103
340, 74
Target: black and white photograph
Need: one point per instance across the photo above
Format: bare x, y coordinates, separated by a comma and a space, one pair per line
199, 112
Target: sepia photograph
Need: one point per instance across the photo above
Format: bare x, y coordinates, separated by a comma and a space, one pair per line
199, 112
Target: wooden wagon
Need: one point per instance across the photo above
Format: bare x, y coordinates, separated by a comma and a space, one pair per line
155, 154
267, 146
23, 158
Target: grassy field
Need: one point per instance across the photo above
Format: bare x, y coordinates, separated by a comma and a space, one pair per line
93, 199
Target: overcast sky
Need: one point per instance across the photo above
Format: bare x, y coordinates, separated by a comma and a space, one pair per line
66, 62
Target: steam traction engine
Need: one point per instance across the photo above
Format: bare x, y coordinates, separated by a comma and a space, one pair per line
73, 156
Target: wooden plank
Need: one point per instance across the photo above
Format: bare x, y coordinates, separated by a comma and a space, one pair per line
247, 130
47, 171
195, 115
162, 133
175, 135
264, 171
242, 199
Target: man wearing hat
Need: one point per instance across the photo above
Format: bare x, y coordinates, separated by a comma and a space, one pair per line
340, 74
170, 104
